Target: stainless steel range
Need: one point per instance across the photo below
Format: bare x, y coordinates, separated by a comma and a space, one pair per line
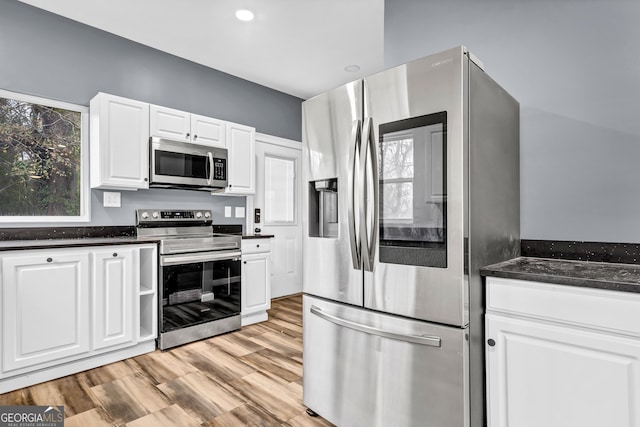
199, 278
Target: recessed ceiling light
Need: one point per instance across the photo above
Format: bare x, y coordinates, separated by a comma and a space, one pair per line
352, 68
244, 15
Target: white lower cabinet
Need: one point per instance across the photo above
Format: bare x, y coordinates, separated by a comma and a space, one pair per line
256, 280
67, 310
45, 307
113, 296
561, 356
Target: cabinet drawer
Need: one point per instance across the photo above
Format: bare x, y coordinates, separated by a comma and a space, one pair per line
586, 307
253, 246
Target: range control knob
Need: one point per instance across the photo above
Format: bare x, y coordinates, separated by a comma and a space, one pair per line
145, 215
198, 215
155, 215
207, 215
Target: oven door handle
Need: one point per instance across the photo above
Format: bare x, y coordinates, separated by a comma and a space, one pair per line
167, 260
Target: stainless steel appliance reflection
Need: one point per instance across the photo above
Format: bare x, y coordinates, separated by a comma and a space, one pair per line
185, 165
199, 279
412, 185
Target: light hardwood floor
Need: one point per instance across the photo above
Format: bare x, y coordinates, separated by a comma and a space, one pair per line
251, 377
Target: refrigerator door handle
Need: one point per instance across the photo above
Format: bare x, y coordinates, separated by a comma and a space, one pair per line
430, 340
369, 158
354, 232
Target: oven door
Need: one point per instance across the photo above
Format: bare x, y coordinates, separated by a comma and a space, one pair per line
198, 288
180, 164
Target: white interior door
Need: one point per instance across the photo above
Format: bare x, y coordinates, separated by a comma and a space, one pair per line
279, 198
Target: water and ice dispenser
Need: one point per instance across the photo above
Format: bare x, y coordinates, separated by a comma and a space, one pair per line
323, 208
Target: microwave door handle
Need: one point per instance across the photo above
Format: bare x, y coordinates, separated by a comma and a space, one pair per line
369, 157
210, 174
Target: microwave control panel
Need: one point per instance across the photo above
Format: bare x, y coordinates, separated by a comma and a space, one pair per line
220, 169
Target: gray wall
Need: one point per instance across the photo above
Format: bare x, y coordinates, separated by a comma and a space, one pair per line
574, 67
47, 55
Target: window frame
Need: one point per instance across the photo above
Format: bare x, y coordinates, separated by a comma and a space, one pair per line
85, 194
294, 222
404, 135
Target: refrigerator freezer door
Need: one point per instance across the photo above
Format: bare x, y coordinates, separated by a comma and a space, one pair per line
331, 133
417, 114
369, 369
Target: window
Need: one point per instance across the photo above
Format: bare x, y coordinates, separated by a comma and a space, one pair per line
43, 159
396, 172
413, 191
279, 191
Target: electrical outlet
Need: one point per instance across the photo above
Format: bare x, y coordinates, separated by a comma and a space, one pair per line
111, 199
239, 212
227, 211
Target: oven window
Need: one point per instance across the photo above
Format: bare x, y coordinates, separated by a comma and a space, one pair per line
199, 292
413, 192
177, 164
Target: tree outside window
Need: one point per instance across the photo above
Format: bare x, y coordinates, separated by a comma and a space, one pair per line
396, 176
42, 152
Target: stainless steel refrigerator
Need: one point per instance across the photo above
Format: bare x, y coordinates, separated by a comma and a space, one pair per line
412, 179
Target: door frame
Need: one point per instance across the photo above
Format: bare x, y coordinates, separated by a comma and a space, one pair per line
274, 140
285, 284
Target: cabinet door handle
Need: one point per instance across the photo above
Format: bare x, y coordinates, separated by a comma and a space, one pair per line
195, 136
187, 134
491, 342
146, 179
115, 254
49, 259
257, 246
245, 262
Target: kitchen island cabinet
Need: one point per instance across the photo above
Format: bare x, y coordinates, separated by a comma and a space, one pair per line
564, 353
65, 310
256, 280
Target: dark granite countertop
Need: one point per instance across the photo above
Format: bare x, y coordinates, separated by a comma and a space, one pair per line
67, 237
257, 236
600, 275
9, 245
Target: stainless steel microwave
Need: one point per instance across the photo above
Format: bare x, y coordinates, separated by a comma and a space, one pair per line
178, 164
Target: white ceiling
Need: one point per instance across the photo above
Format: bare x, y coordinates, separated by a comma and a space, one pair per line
299, 47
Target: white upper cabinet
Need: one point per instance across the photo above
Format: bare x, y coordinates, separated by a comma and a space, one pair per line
183, 126
169, 123
118, 126
208, 131
120, 132
241, 146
